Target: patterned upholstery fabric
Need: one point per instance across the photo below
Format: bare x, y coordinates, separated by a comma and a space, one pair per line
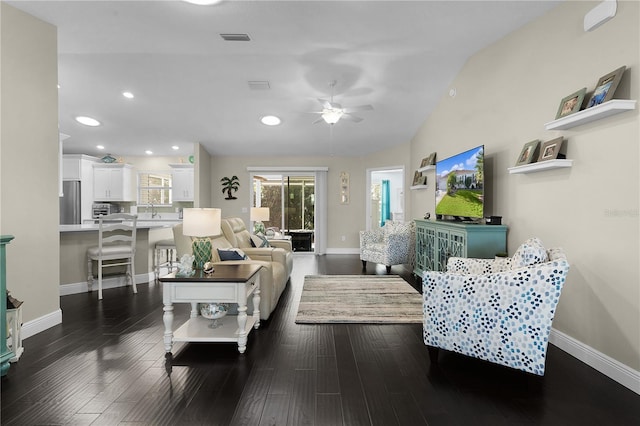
393, 244
530, 252
494, 310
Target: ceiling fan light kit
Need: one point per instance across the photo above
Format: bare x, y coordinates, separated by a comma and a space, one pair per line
331, 116
332, 112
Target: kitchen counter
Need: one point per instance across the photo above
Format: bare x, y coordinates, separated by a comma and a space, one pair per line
76, 239
150, 224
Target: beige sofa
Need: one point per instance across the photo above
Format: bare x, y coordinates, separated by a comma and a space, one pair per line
276, 262
237, 234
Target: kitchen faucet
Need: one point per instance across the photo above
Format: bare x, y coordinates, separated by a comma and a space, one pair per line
153, 212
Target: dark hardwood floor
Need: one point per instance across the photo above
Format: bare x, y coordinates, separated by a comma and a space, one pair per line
105, 365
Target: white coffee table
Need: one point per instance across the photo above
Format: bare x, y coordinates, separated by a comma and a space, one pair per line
228, 284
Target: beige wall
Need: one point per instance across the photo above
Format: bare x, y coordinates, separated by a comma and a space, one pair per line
505, 94
342, 219
28, 160
203, 184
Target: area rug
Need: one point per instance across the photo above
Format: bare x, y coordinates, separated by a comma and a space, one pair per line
365, 299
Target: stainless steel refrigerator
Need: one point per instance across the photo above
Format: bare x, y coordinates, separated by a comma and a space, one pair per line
70, 208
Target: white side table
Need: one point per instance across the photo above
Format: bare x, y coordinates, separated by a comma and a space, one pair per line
228, 284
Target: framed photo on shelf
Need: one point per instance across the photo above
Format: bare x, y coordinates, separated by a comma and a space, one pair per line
428, 161
571, 103
417, 178
529, 153
550, 150
606, 87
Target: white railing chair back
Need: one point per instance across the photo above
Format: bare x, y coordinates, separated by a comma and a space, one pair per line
117, 245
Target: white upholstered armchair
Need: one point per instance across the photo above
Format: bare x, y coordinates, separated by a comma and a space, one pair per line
393, 244
499, 310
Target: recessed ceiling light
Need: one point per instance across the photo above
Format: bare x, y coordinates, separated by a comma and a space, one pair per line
175, 147
87, 121
203, 2
127, 95
148, 152
100, 146
270, 120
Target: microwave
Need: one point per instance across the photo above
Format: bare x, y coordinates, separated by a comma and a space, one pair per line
102, 209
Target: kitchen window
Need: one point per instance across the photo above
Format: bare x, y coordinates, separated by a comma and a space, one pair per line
154, 188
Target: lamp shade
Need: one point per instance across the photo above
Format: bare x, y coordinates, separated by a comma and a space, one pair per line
199, 222
260, 214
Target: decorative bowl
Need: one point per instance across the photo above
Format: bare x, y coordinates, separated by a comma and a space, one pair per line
213, 311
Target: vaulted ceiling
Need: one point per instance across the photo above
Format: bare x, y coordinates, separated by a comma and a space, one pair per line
190, 85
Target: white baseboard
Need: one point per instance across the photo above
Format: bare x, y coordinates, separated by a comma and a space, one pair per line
43, 323
608, 366
110, 282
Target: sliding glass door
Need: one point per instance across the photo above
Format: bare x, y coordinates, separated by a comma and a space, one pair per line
291, 202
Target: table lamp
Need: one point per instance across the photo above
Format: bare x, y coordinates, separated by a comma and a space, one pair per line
258, 215
201, 224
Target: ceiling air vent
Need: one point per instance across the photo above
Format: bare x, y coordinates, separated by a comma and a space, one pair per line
259, 85
235, 37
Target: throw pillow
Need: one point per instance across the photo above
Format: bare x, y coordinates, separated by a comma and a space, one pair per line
501, 264
259, 241
231, 254
529, 253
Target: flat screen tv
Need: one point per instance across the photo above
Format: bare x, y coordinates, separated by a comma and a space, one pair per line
460, 186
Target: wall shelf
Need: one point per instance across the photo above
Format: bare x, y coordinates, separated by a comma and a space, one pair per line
612, 107
418, 187
543, 165
427, 168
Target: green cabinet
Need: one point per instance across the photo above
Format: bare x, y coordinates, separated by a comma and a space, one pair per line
5, 353
437, 241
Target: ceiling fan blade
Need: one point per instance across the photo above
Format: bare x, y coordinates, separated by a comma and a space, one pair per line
319, 120
358, 108
351, 117
325, 103
329, 105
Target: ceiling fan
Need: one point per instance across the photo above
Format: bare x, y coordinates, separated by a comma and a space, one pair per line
332, 112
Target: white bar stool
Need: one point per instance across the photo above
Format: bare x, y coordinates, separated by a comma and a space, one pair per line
169, 248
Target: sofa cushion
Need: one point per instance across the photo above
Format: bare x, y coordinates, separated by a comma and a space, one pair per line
259, 241
529, 253
231, 254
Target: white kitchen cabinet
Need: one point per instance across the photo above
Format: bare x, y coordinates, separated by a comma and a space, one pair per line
112, 182
182, 182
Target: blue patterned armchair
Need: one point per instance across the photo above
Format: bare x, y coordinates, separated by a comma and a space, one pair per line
392, 244
499, 310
